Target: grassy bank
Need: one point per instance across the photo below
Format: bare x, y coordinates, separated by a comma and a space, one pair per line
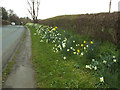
68, 70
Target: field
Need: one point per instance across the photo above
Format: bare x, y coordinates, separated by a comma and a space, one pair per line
65, 59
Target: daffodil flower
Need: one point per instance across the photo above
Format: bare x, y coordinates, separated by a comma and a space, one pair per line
81, 45
104, 61
95, 68
114, 60
113, 56
73, 41
101, 79
87, 46
91, 42
68, 50
64, 58
78, 51
74, 52
84, 42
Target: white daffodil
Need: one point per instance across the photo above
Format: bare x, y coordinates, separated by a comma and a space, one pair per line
71, 47
87, 66
64, 58
74, 52
114, 60
113, 56
87, 46
68, 50
64, 45
82, 54
95, 68
104, 61
93, 60
101, 79
76, 45
74, 41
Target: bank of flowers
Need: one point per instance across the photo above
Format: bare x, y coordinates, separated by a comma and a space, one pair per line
104, 64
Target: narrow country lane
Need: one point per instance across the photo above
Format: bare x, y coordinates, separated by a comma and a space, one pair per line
22, 75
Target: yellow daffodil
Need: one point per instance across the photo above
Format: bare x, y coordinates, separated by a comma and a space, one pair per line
84, 42
54, 29
81, 45
91, 42
78, 51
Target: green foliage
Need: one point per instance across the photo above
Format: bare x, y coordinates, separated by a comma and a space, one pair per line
54, 72
4, 13
76, 51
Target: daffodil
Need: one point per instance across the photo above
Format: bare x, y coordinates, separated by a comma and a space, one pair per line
91, 42
95, 68
114, 60
74, 41
93, 60
68, 50
81, 45
101, 79
78, 51
71, 47
104, 61
82, 54
87, 46
113, 56
84, 48
54, 29
64, 58
74, 52
84, 42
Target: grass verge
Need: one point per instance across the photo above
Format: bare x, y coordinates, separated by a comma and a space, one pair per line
54, 72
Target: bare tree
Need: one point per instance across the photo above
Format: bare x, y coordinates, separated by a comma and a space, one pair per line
33, 9
110, 6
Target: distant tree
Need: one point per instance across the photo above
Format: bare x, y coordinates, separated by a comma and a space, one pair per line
33, 8
4, 14
25, 20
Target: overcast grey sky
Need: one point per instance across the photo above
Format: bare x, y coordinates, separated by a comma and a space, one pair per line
51, 8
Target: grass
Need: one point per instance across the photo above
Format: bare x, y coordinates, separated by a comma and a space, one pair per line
7, 70
54, 72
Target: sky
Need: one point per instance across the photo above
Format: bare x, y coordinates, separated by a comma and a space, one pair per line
52, 8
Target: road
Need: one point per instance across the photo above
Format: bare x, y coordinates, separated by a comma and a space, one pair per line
22, 75
11, 36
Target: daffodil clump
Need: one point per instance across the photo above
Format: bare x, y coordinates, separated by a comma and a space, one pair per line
105, 67
103, 63
66, 45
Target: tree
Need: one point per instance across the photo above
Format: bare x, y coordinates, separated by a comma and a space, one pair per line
33, 8
110, 6
4, 14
